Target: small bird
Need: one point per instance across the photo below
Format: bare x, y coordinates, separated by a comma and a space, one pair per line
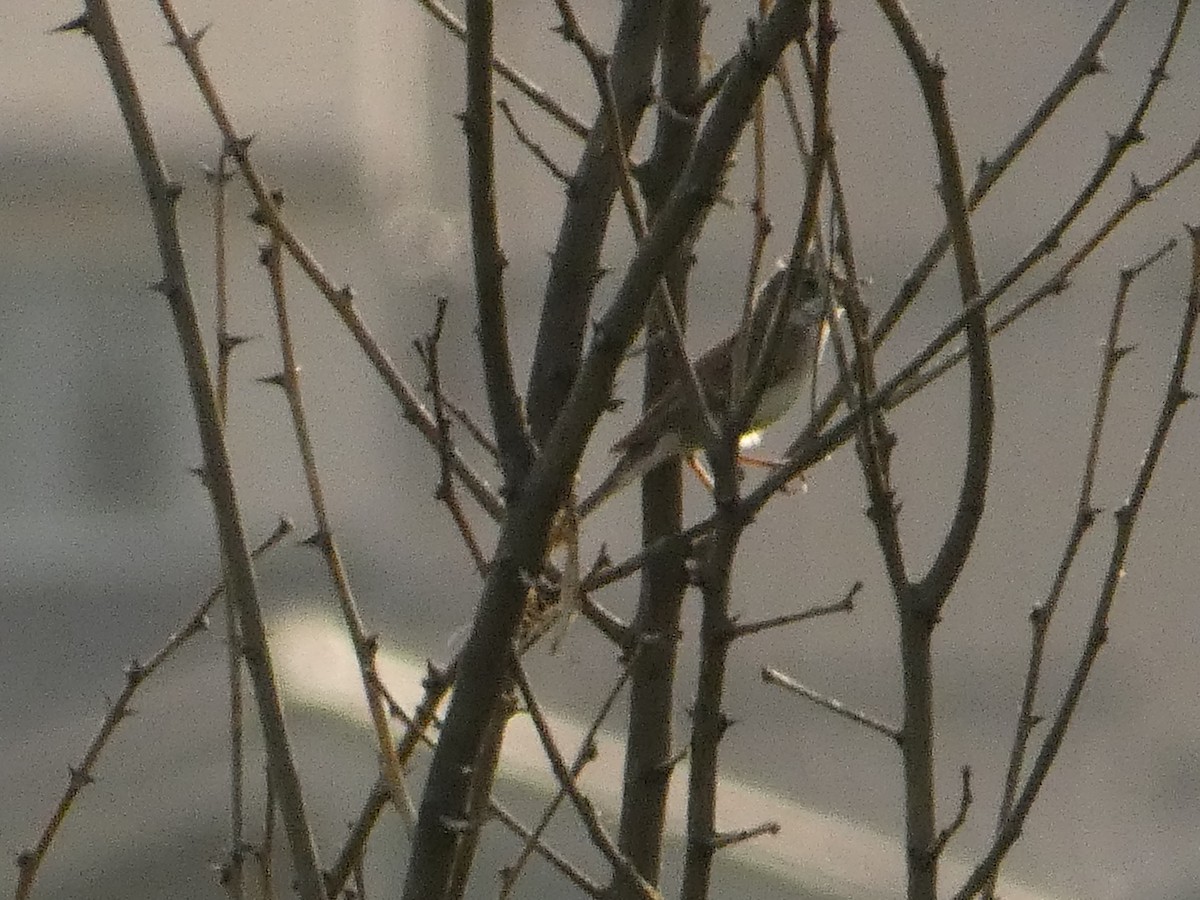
670, 427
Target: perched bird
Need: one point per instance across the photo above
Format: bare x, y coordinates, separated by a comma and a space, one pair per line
670, 427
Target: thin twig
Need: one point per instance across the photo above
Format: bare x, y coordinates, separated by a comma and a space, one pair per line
136, 674
1126, 516
437, 684
777, 678
1085, 516
365, 645
163, 194
427, 349
542, 99
556, 859
965, 798
231, 880
586, 753
538, 151
473, 428
846, 604
587, 812
726, 839
740, 367
339, 297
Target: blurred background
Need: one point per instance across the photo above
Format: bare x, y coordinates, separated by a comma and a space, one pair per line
106, 542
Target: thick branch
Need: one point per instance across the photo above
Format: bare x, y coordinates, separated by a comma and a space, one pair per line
516, 450
240, 579
525, 537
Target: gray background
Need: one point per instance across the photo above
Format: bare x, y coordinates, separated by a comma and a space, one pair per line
106, 544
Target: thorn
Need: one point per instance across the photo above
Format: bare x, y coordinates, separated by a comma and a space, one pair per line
600, 274
1095, 65
371, 644
201, 473
318, 539
259, 216
160, 286
186, 42
279, 379
80, 777
237, 147
230, 342
1119, 353
268, 255
211, 174
724, 723
79, 23
1138, 191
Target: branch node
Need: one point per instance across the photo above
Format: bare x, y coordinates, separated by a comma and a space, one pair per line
135, 671
1138, 192
237, 147
189, 42
318, 539
258, 215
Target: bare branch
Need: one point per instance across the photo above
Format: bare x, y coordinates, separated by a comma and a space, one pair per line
508, 419
538, 151
526, 533
587, 752
427, 349
964, 804
163, 194
664, 303
339, 297
1085, 515
775, 677
218, 179
726, 839
542, 99
365, 645
587, 813
1176, 395
575, 262
846, 604
136, 674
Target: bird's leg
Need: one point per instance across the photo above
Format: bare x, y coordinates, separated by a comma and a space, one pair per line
697, 465
766, 462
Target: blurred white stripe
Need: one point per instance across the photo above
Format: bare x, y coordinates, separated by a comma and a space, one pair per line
316, 665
